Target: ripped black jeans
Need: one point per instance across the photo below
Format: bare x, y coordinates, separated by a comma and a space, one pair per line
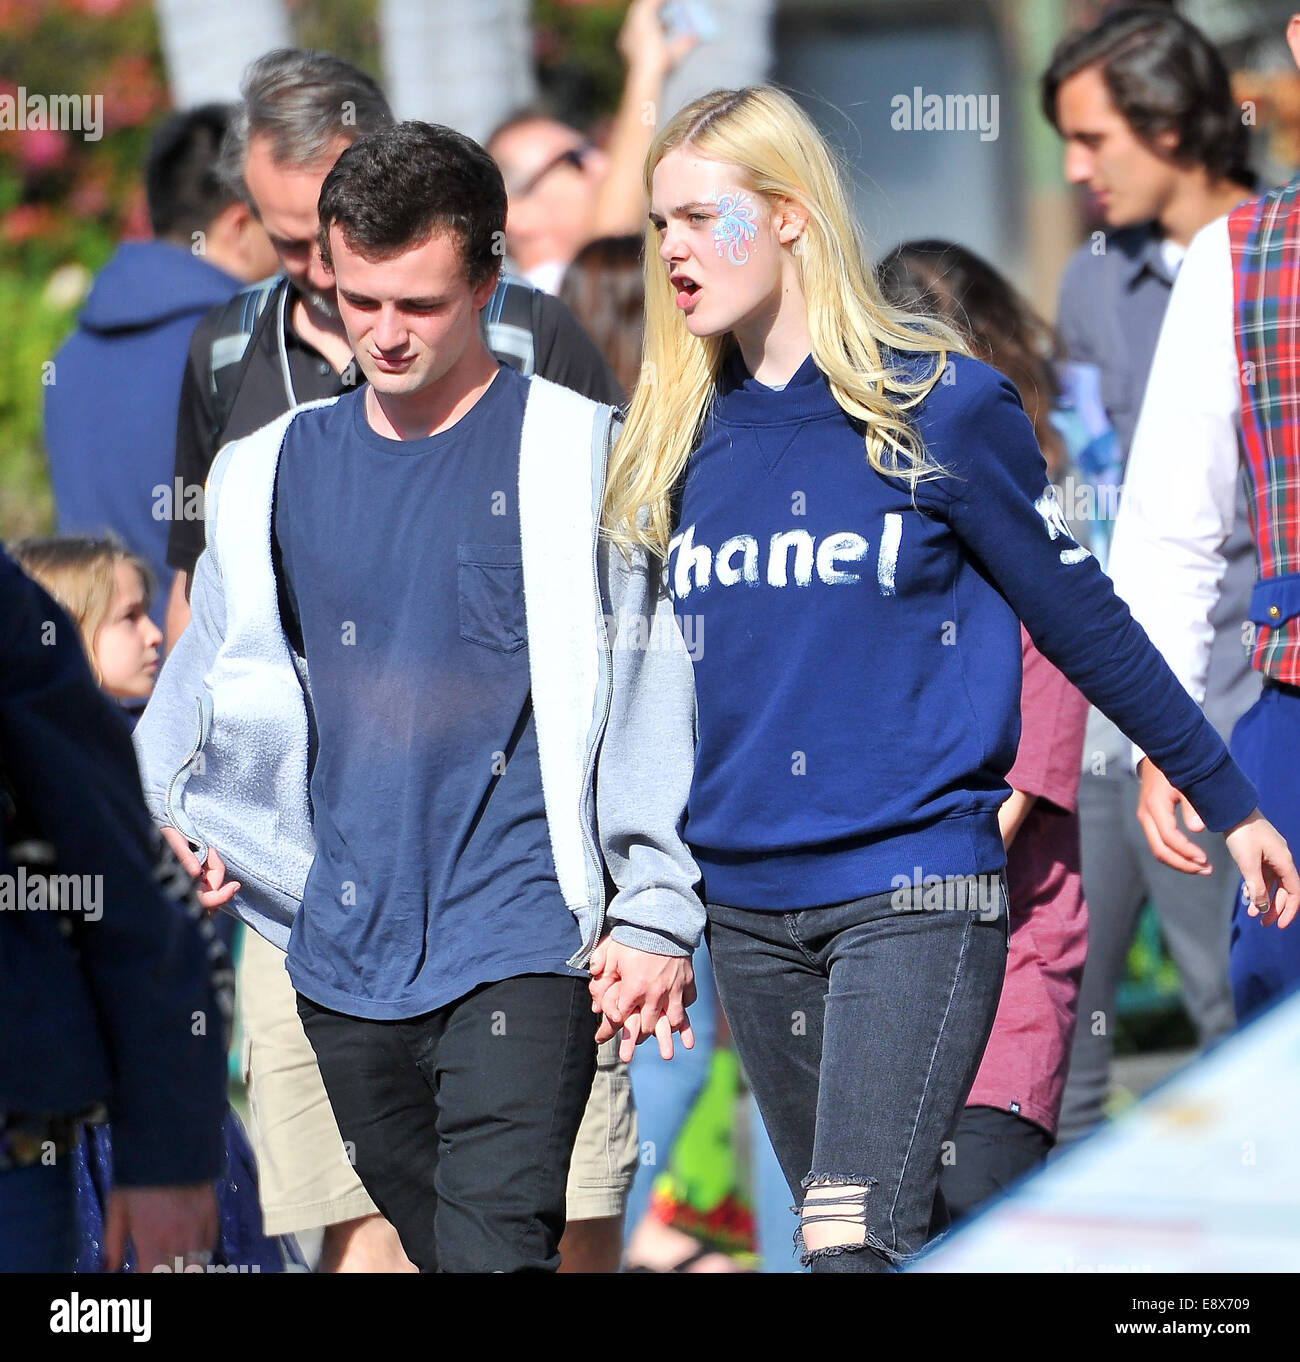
861, 1027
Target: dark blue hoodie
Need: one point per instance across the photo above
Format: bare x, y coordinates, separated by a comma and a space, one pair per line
111, 1011
110, 413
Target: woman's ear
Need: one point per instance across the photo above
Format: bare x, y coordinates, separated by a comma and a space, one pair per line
791, 219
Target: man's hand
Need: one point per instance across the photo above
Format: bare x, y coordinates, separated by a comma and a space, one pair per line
213, 889
1157, 803
163, 1223
1271, 886
643, 993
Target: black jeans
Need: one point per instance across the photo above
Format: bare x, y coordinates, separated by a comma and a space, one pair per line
992, 1149
461, 1122
861, 1027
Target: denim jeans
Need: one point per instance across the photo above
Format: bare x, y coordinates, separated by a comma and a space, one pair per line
991, 1150
771, 1201
861, 1026
463, 1120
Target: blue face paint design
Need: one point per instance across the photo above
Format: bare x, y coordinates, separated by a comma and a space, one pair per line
737, 224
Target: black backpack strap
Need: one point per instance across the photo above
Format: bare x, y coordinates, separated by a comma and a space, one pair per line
231, 337
509, 323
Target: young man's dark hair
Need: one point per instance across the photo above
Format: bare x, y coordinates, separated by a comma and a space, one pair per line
396, 187
1163, 75
183, 188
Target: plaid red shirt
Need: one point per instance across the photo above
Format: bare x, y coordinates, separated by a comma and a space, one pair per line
1264, 234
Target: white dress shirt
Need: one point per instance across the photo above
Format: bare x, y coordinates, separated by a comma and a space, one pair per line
1178, 502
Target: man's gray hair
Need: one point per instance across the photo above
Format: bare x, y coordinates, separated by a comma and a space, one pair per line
303, 101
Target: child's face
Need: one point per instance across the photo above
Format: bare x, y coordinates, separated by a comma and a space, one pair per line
126, 646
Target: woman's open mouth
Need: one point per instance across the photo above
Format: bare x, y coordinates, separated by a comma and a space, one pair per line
686, 288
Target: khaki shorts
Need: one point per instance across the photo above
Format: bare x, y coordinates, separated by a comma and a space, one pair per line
306, 1180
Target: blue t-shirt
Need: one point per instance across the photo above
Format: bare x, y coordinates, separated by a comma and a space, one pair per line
857, 655
402, 580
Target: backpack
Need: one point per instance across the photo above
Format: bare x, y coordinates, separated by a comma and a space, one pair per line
508, 322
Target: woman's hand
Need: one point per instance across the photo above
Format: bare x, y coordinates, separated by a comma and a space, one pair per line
1272, 886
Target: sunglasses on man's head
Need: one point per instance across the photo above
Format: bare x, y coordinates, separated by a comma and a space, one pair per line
574, 156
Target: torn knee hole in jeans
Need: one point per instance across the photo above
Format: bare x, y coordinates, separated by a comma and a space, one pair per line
833, 1219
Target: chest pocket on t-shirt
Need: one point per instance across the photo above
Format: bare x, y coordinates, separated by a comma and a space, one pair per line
490, 596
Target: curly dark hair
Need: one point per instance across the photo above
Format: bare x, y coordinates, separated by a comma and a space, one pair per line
1163, 75
394, 188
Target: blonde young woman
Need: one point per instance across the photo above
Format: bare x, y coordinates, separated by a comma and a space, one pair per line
852, 512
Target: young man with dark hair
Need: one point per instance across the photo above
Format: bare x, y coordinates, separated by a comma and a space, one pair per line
111, 409
282, 344
1143, 102
268, 350
414, 781
1221, 402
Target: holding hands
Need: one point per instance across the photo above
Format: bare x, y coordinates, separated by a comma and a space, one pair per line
644, 994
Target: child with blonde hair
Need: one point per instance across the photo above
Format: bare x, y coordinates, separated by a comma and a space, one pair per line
107, 590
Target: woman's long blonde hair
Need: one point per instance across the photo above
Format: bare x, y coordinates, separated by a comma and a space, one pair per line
765, 133
79, 571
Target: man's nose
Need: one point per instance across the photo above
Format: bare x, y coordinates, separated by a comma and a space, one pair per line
389, 331
1078, 164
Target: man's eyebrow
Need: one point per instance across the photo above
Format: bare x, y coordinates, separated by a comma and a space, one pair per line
430, 300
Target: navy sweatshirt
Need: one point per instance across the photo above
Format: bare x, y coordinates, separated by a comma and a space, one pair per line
857, 656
